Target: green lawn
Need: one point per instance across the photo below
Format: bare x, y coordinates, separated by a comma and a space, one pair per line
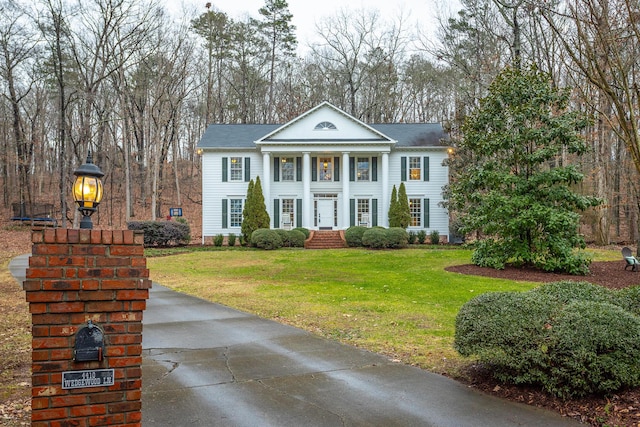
401, 303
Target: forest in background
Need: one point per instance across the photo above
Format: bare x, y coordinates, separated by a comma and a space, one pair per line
137, 86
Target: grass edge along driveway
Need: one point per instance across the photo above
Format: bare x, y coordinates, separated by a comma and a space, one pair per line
400, 303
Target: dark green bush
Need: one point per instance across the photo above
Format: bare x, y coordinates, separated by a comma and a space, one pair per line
353, 235
412, 237
296, 238
434, 237
304, 231
217, 241
567, 337
265, 238
162, 233
397, 238
629, 299
231, 240
421, 236
375, 238
284, 236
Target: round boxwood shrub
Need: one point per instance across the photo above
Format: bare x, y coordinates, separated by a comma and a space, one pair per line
353, 235
265, 238
397, 238
567, 337
375, 238
296, 238
629, 299
304, 231
284, 236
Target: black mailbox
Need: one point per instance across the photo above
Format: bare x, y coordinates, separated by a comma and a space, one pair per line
89, 344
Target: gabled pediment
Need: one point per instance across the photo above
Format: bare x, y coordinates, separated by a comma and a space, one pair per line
324, 124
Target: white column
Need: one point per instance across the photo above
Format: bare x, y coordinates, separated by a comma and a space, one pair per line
307, 211
345, 190
266, 183
384, 221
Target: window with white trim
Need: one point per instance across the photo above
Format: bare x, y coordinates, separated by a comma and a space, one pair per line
364, 215
415, 168
287, 169
288, 209
325, 169
235, 169
363, 166
415, 208
235, 212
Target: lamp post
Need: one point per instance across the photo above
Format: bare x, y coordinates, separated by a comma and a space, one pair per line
87, 190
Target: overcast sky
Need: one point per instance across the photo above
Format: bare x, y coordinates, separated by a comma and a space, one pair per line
307, 12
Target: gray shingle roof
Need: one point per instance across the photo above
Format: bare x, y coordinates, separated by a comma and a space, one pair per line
223, 136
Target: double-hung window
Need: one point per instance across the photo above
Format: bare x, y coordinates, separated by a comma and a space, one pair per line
287, 169
415, 168
415, 208
235, 212
325, 169
235, 169
363, 167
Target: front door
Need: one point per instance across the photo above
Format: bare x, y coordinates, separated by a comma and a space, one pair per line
325, 214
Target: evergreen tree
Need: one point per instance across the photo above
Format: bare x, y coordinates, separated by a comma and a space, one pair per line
254, 212
393, 209
262, 219
404, 213
518, 194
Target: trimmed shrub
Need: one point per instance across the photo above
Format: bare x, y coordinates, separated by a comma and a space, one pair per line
231, 239
284, 236
569, 338
434, 237
353, 235
162, 233
397, 238
265, 238
296, 239
421, 236
375, 238
629, 299
412, 237
304, 231
217, 241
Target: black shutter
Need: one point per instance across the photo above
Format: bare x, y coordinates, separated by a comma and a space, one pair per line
427, 213
298, 168
374, 212
225, 169
276, 213
225, 216
403, 169
352, 212
425, 163
336, 169
374, 169
247, 169
314, 169
276, 169
298, 212
352, 169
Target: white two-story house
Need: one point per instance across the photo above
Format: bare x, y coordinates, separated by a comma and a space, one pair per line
324, 170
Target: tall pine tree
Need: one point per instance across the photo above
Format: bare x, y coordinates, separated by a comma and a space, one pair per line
393, 209
404, 213
254, 213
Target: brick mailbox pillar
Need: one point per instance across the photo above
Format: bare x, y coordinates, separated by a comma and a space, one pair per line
87, 290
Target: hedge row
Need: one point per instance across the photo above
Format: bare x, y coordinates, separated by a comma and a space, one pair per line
572, 338
377, 237
266, 238
163, 233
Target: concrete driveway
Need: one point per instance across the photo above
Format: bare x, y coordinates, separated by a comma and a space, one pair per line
208, 365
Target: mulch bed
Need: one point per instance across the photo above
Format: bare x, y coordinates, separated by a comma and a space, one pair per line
621, 409
606, 273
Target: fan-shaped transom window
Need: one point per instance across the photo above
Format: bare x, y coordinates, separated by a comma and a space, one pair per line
325, 126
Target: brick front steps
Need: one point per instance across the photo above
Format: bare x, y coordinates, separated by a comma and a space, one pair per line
325, 240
